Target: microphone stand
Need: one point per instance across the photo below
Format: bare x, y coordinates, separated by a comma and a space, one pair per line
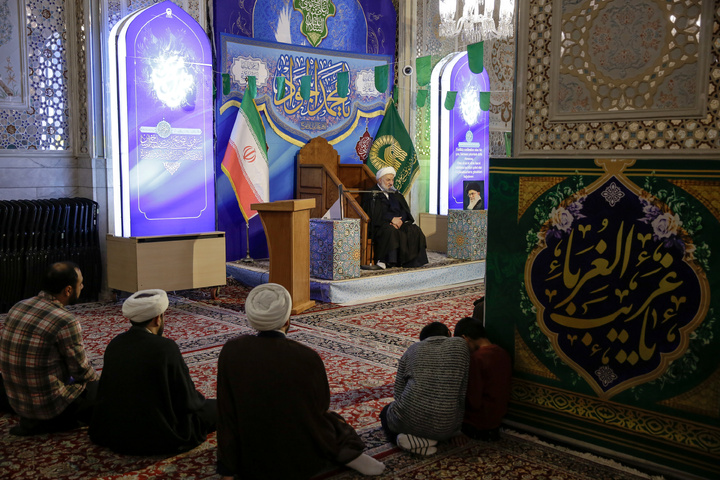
371, 266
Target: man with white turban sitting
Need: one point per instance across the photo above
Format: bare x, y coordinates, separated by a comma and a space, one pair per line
273, 401
397, 241
147, 402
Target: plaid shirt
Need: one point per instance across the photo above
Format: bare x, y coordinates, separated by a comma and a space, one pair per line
42, 358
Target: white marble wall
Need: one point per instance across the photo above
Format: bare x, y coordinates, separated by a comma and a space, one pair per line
32, 175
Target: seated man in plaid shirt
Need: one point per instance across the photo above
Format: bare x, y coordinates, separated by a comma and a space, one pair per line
47, 377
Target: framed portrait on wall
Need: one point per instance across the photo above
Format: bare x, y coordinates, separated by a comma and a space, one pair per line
13, 55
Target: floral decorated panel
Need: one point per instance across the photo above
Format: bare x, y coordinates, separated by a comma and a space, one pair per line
600, 278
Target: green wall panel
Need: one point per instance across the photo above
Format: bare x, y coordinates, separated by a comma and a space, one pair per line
600, 281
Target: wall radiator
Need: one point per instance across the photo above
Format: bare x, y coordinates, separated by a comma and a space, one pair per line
37, 233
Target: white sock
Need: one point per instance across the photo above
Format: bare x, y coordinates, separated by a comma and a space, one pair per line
366, 465
427, 451
414, 444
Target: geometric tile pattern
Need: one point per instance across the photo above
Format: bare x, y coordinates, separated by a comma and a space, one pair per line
536, 135
57, 83
467, 234
334, 248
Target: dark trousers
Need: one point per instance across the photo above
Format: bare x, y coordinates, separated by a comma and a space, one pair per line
491, 435
209, 415
4, 401
77, 414
389, 433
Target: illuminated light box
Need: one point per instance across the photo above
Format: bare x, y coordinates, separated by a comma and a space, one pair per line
459, 138
162, 137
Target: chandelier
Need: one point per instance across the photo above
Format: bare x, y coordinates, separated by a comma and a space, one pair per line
476, 20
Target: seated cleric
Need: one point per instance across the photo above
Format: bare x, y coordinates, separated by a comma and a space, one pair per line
147, 402
397, 241
273, 402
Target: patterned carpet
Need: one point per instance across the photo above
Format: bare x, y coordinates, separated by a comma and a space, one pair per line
360, 346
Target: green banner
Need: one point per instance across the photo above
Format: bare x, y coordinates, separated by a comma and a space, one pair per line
381, 78
280, 87
450, 100
305, 87
423, 66
421, 98
607, 271
343, 83
252, 87
226, 83
393, 147
475, 57
484, 101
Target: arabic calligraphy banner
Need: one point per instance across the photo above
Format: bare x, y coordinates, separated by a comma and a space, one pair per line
325, 112
599, 279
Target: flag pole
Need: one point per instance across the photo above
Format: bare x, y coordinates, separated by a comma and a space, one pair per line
248, 258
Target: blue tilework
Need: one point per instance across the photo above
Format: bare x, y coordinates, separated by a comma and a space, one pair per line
334, 248
467, 234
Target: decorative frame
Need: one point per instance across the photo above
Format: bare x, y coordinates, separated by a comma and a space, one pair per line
536, 136
14, 91
618, 60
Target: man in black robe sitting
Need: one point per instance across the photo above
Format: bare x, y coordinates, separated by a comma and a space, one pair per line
147, 402
274, 400
397, 241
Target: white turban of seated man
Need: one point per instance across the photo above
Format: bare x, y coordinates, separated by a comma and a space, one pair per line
145, 305
268, 307
384, 171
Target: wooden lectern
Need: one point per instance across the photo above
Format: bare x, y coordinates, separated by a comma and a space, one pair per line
287, 228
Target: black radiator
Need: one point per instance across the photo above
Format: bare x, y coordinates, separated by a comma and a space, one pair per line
36, 233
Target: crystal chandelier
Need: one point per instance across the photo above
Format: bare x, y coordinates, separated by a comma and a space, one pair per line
476, 20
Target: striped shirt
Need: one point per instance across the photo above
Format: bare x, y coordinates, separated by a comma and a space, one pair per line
430, 389
42, 358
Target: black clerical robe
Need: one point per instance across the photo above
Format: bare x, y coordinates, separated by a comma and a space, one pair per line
147, 401
273, 417
408, 241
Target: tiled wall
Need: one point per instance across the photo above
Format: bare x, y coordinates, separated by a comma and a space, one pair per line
32, 176
37, 159
48, 150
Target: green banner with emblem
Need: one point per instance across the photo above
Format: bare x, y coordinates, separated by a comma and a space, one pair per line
393, 147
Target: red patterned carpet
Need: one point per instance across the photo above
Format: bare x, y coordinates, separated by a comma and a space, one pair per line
360, 346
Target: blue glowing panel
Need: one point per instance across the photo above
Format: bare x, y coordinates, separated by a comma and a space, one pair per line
166, 136
468, 132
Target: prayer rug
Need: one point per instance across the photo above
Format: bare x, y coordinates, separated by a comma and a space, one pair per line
360, 346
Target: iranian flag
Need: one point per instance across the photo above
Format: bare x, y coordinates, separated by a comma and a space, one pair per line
245, 162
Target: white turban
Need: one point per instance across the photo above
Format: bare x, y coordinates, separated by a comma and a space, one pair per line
145, 305
384, 171
268, 306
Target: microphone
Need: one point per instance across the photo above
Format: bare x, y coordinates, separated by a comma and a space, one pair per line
391, 189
